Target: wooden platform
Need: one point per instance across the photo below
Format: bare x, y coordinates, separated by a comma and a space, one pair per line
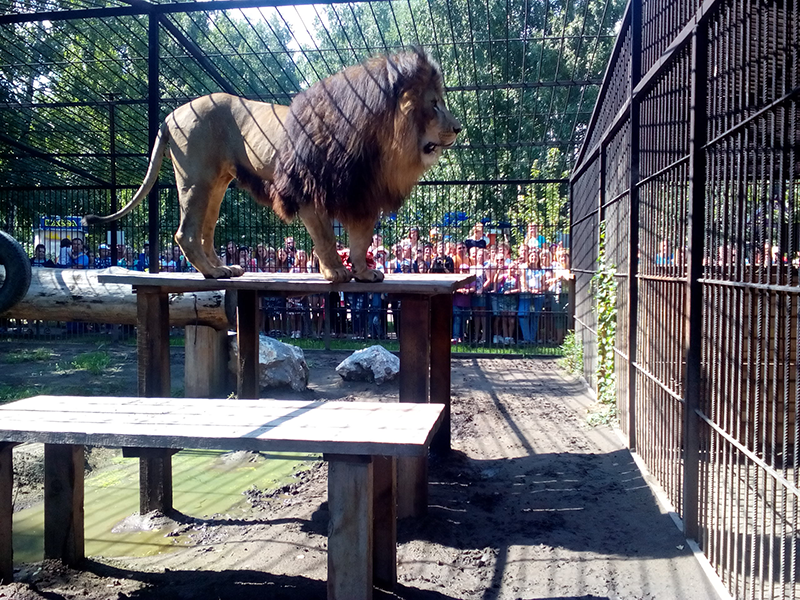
424, 334
360, 441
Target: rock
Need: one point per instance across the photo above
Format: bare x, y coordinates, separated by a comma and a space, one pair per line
370, 364
279, 364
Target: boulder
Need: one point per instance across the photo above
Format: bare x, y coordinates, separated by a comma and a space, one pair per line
375, 363
279, 364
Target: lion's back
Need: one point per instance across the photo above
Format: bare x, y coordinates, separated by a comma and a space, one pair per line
227, 132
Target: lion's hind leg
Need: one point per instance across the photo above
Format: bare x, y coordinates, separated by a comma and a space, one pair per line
321, 231
200, 204
360, 239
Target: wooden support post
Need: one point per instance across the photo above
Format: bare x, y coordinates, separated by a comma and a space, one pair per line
415, 364
350, 498
6, 513
384, 507
155, 480
206, 362
152, 341
247, 340
63, 502
441, 328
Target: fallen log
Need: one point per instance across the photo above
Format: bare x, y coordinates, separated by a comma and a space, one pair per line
76, 295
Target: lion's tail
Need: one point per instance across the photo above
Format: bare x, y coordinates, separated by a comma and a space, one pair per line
150, 178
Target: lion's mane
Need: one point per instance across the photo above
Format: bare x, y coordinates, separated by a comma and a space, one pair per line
353, 139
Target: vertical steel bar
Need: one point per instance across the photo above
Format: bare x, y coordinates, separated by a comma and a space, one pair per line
154, 122
697, 180
112, 132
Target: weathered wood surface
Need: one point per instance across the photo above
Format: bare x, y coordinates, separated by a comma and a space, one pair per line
6, 512
350, 541
429, 284
79, 295
366, 428
63, 502
384, 515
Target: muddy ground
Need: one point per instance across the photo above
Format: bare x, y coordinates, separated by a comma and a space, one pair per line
532, 503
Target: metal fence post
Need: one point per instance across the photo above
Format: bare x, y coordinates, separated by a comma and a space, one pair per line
154, 122
633, 218
694, 297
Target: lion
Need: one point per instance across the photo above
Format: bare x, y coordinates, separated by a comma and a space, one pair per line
349, 147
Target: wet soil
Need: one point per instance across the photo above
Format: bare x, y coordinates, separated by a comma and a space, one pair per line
532, 503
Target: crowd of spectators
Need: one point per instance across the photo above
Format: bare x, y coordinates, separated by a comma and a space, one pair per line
518, 296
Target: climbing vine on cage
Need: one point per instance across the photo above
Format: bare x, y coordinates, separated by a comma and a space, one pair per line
604, 291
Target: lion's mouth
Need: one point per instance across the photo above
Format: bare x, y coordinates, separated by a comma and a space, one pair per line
431, 147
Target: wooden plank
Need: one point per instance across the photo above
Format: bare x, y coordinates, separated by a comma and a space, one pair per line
63, 503
350, 527
384, 507
292, 283
412, 473
294, 426
441, 329
6, 513
247, 340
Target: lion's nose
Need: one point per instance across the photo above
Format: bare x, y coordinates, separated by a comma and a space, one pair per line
457, 129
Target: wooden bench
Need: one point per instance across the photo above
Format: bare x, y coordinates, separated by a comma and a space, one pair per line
360, 441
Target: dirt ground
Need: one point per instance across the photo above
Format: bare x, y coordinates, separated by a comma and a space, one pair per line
530, 504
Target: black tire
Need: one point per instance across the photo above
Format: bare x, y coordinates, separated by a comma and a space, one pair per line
16, 280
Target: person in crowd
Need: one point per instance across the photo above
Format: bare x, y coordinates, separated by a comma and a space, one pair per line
231, 256
281, 261
404, 261
377, 242
40, 257
460, 257
423, 262
552, 288
535, 285
247, 262
479, 289
534, 239
64, 254
177, 262
92, 257
524, 306
442, 262
413, 237
78, 258
507, 287
378, 303
291, 251
261, 257
476, 239
103, 261
296, 305
143, 263
126, 258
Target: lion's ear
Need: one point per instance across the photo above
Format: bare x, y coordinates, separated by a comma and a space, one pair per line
406, 102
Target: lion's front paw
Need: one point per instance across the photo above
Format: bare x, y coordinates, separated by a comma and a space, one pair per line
337, 275
369, 276
224, 272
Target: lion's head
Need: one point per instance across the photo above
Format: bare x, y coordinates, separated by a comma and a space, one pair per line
359, 141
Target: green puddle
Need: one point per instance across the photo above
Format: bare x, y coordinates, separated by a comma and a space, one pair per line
203, 482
